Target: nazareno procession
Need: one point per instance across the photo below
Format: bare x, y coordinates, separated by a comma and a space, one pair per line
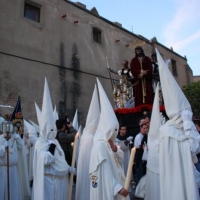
54, 158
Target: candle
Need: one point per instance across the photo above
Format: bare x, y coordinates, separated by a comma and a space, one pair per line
73, 165
129, 171
7, 127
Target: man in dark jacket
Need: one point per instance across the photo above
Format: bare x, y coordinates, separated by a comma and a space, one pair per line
65, 136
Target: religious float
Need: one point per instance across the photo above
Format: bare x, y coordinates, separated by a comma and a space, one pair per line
127, 114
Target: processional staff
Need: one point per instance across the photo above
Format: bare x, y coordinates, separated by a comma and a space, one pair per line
109, 72
7, 129
73, 165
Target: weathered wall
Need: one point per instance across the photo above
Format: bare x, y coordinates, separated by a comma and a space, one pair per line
184, 73
30, 51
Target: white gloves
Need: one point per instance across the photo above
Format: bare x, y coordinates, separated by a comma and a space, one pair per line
186, 115
52, 141
72, 170
130, 138
6, 143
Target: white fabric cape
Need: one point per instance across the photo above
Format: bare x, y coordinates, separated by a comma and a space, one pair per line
30, 145
108, 173
19, 184
86, 141
59, 164
46, 165
83, 180
177, 180
141, 188
152, 191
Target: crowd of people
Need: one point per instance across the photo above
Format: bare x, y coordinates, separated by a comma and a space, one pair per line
167, 150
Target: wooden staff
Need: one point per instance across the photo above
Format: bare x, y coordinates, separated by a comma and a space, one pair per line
129, 171
109, 72
7, 137
8, 174
72, 165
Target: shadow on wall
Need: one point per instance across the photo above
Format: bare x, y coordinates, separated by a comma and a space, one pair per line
75, 85
72, 87
63, 85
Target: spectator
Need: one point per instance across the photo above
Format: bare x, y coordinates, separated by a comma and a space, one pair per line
65, 136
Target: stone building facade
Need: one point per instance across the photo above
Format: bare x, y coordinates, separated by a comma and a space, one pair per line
67, 44
196, 78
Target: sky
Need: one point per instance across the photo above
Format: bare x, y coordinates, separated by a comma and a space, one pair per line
175, 23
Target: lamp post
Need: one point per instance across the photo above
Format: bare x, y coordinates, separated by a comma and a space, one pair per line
7, 130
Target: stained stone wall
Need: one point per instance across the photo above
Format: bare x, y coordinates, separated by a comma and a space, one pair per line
64, 53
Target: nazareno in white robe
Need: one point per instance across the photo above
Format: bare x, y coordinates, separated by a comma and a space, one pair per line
83, 179
86, 142
106, 172
50, 172
177, 179
30, 145
19, 184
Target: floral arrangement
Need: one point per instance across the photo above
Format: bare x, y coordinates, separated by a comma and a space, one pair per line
137, 109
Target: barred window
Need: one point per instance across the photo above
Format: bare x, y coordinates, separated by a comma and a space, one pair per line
174, 70
97, 35
32, 12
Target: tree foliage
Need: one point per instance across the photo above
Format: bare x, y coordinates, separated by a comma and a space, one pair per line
192, 92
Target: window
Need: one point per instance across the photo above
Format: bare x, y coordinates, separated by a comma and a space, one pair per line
174, 70
97, 35
32, 12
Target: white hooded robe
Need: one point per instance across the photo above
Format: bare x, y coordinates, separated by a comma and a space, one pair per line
176, 161
50, 172
83, 179
106, 172
19, 184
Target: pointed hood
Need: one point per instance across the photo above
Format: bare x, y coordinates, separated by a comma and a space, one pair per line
37, 128
93, 115
80, 130
153, 135
47, 132
155, 117
38, 113
47, 121
108, 124
174, 99
55, 113
78, 145
29, 128
75, 121
86, 143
